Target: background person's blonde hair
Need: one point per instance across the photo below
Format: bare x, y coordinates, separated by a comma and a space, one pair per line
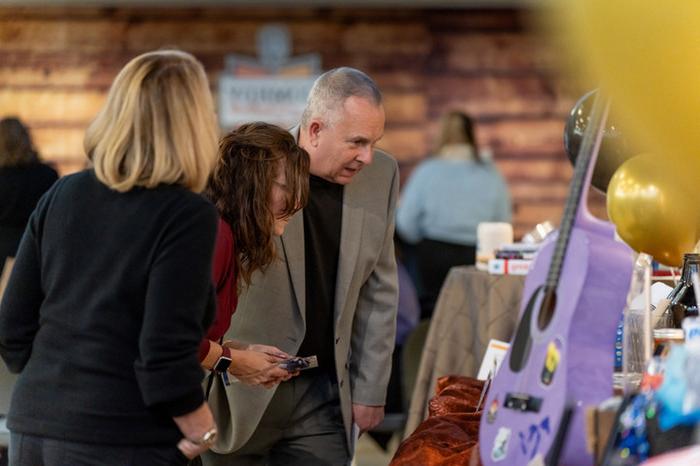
458, 128
158, 125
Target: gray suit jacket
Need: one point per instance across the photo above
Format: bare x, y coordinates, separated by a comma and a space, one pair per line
272, 310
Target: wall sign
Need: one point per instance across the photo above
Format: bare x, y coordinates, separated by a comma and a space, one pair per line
272, 87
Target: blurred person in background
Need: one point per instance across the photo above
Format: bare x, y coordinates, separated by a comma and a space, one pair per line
23, 180
443, 202
111, 290
260, 181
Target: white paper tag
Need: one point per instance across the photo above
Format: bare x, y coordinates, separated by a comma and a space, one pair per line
495, 352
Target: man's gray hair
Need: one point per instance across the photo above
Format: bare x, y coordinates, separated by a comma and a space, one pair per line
332, 88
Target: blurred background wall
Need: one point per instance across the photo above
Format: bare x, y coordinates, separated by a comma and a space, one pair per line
56, 65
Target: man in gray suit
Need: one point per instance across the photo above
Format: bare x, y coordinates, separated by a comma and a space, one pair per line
333, 294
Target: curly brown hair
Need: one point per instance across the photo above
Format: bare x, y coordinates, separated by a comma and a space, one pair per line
250, 159
16, 146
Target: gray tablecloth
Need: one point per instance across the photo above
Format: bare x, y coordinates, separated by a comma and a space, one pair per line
473, 308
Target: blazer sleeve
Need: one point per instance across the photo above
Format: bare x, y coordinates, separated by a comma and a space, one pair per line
374, 325
24, 295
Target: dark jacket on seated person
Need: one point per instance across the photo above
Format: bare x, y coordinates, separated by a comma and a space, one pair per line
20, 190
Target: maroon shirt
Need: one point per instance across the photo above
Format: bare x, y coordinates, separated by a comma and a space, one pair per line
225, 278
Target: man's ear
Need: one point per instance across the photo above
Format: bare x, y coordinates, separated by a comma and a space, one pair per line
314, 132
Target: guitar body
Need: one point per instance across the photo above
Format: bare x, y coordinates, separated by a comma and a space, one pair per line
568, 361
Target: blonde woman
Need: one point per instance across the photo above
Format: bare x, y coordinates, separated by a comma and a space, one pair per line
111, 290
443, 202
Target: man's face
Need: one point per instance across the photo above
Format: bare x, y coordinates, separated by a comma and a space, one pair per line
343, 148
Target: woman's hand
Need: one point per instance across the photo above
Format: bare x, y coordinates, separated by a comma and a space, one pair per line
271, 350
193, 427
235, 344
267, 349
259, 368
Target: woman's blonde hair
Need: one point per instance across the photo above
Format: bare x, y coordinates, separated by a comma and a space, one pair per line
157, 127
458, 128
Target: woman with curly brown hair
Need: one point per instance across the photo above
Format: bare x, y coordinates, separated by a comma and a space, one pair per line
261, 180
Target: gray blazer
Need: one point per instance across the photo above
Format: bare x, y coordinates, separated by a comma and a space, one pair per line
272, 310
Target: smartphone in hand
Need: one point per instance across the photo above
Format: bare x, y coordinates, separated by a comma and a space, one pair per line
298, 363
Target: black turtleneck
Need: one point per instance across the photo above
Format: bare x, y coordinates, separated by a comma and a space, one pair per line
322, 225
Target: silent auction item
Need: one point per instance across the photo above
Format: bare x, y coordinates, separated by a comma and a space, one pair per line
560, 358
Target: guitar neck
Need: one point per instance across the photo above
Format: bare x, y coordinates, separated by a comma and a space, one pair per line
578, 191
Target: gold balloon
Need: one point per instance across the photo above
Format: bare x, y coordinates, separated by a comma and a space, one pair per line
646, 55
655, 208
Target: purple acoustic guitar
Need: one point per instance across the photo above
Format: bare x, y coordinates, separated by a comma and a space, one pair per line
561, 356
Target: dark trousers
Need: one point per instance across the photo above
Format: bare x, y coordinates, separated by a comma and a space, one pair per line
30, 450
434, 259
302, 426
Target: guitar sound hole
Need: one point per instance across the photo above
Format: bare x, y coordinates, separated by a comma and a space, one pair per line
549, 302
522, 342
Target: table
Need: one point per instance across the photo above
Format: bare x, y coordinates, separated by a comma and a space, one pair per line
473, 308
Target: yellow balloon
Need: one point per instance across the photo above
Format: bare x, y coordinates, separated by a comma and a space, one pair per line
646, 55
654, 208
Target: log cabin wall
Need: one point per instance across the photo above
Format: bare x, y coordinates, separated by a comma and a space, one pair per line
56, 65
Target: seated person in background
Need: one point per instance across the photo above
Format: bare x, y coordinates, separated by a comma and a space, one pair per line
261, 180
23, 180
443, 202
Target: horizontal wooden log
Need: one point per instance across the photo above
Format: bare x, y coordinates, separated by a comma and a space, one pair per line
404, 144
405, 107
78, 77
489, 96
59, 143
529, 135
46, 105
398, 80
50, 12
442, 21
539, 171
49, 35
492, 52
194, 36
410, 38
523, 191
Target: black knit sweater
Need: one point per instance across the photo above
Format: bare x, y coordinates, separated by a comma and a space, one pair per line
104, 312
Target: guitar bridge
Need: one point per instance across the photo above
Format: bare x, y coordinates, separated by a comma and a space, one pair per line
523, 402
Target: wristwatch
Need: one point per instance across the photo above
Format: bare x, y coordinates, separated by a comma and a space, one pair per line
224, 361
207, 439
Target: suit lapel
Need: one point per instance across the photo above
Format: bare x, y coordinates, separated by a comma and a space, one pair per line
350, 235
293, 245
